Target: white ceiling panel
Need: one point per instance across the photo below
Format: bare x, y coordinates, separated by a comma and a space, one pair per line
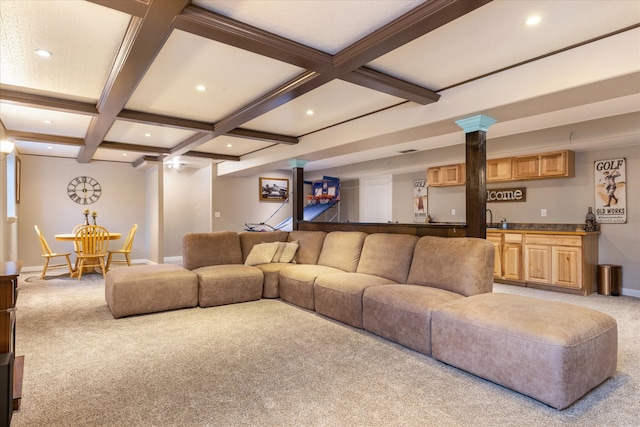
145, 134
83, 38
49, 150
232, 77
233, 146
329, 26
331, 103
479, 42
37, 120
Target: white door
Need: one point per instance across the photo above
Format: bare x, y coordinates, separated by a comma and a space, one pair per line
375, 199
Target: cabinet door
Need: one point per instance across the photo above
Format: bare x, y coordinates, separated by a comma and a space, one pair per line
537, 263
512, 255
499, 169
434, 177
451, 174
526, 167
566, 265
553, 164
496, 239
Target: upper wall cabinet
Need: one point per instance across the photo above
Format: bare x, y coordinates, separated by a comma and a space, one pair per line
499, 170
556, 164
446, 175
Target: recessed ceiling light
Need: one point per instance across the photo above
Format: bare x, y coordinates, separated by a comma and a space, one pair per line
533, 20
148, 135
201, 88
49, 147
124, 154
44, 53
229, 145
48, 122
309, 112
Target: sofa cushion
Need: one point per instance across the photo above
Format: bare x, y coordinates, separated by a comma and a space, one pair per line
339, 295
310, 245
341, 250
296, 283
289, 252
228, 284
215, 248
402, 313
250, 238
387, 255
463, 265
262, 253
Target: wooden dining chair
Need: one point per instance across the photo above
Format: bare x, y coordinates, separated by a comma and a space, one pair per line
48, 255
92, 241
125, 250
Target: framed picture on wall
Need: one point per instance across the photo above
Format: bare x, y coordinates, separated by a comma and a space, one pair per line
273, 189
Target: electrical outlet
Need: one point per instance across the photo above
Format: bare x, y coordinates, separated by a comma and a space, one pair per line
453, 212
543, 212
217, 214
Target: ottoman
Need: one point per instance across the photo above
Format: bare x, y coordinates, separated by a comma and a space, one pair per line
143, 289
553, 352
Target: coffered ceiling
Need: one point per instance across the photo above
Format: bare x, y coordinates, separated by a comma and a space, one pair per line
253, 84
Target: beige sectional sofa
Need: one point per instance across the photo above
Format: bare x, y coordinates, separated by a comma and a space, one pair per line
431, 294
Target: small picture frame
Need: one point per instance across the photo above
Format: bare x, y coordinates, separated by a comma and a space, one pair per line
273, 189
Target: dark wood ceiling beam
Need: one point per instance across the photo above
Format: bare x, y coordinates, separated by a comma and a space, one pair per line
142, 47
416, 23
294, 88
110, 145
190, 143
212, 156
40, 101
44, 138
262, 136
391, 86
213, 26
135, 8
160, 120
197, 126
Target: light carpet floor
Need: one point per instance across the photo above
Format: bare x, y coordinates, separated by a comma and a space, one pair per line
268, 363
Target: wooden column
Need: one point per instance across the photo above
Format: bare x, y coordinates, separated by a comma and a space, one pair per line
297, 204
475, 129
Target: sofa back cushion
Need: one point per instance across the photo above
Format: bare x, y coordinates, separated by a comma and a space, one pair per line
310, 245
216, 248
341, 249
463, 265
250, 238
387, 255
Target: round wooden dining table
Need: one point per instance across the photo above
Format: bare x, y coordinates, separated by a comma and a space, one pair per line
70, 237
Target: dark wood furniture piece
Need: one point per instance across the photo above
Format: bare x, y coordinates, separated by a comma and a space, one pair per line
11, 367
431, 229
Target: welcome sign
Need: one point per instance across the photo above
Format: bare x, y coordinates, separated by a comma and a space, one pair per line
518, 194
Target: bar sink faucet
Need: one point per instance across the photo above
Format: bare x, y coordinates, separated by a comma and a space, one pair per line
490, 217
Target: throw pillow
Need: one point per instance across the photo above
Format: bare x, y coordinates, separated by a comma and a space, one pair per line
278, 254
289, 251
262, 253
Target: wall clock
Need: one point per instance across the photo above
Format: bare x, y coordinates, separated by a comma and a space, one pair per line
84, 190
